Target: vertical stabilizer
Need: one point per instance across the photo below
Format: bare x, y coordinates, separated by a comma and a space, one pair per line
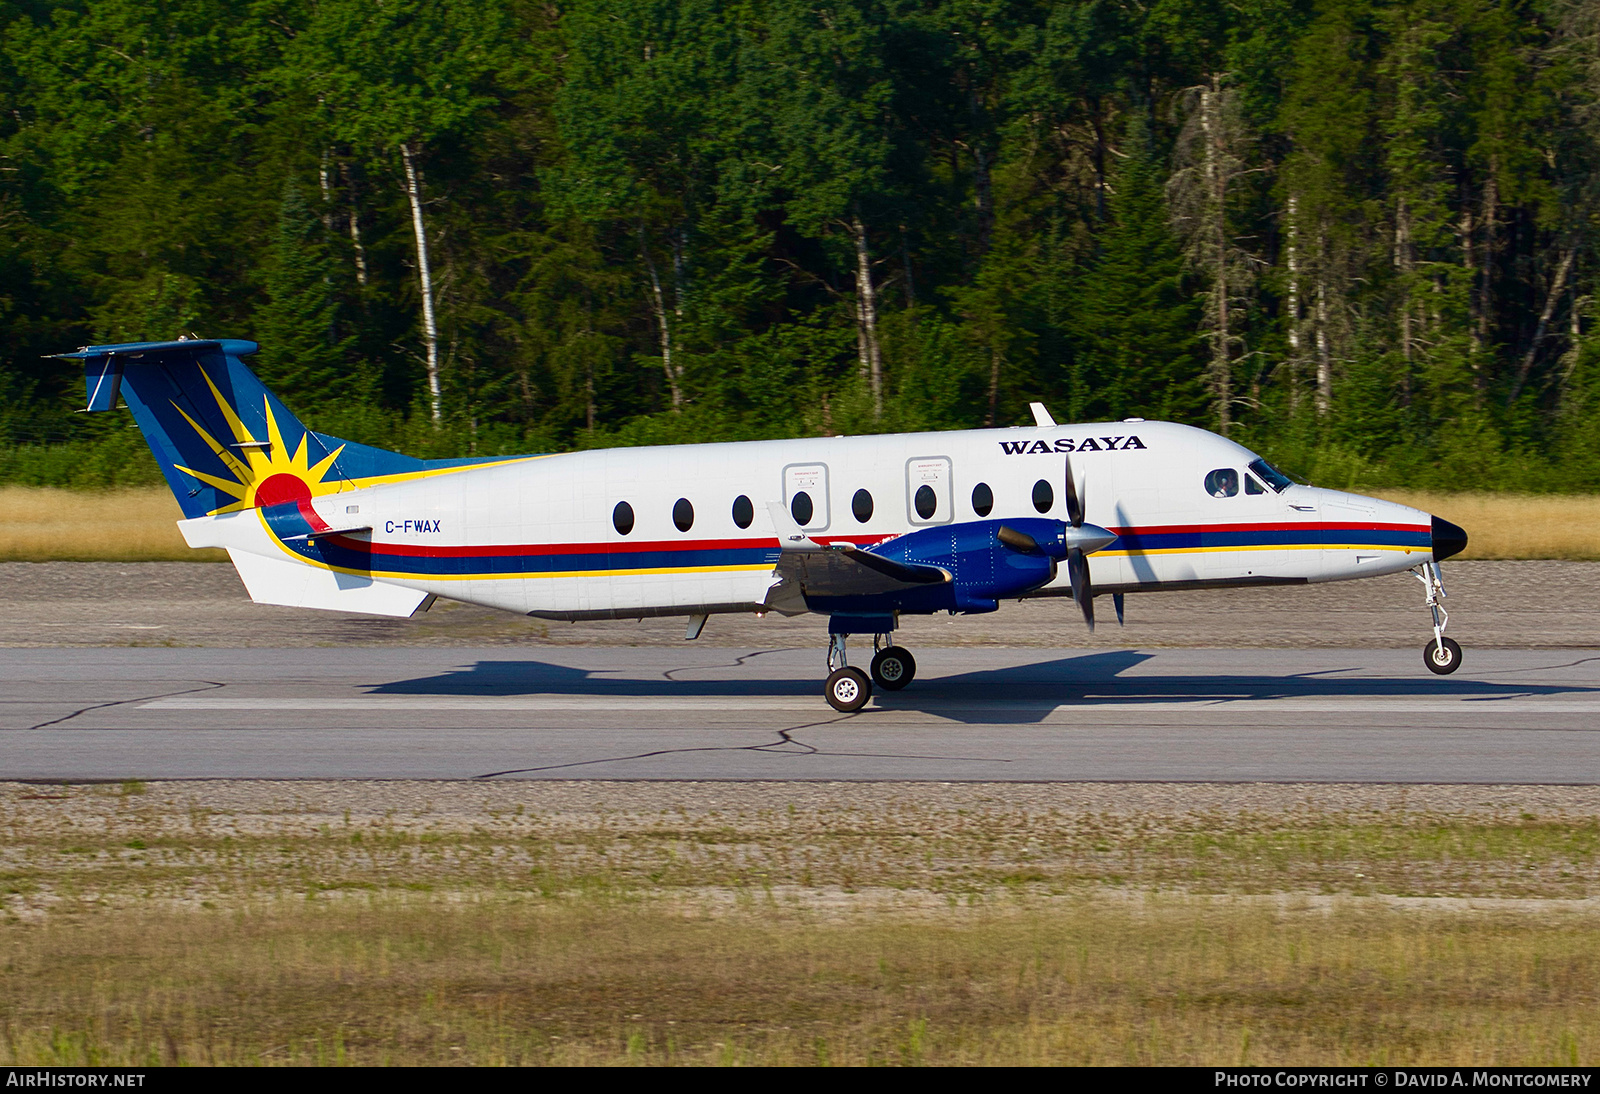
223, 441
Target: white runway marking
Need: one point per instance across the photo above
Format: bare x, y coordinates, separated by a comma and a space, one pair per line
756, 703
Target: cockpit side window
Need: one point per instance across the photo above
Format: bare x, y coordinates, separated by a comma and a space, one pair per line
1271, 476
1222, 483
1251, 486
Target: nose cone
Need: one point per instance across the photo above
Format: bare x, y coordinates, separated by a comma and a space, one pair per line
1448, 539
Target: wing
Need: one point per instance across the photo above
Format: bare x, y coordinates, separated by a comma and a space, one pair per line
808, 569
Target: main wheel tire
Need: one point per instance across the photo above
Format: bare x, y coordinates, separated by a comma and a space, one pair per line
1444, 659
847, 690
893, 668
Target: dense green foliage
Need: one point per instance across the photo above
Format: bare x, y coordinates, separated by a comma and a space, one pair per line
1357, 234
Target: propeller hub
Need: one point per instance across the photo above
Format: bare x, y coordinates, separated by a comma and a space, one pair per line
1088, 538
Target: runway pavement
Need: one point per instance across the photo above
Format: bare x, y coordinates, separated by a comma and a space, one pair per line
1209, 715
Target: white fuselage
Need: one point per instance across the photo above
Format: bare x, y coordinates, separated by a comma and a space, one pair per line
540, 536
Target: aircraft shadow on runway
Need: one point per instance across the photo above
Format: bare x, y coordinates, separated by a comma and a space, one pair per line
1014, 694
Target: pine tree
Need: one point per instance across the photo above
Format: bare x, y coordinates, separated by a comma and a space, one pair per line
1135, 321
304, 352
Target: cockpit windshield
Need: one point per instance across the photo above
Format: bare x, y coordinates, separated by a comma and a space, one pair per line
1271, 476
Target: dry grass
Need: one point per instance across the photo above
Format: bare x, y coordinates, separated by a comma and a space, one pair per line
44, 524
1510, 526
595, 978
871, 927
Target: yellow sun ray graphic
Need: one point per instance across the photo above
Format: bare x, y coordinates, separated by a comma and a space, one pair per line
265, 472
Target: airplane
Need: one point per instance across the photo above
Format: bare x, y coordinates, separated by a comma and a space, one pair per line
862, 529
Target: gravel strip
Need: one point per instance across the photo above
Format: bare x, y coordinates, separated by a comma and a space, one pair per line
259, 805
1502, 605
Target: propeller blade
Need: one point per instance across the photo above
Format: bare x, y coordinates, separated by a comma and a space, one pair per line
1074, 500
1116, 600
1082, 591
1021, 541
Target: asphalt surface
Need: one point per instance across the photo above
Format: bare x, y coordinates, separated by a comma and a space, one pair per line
702, 713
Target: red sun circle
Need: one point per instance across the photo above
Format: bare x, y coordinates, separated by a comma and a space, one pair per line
279, 488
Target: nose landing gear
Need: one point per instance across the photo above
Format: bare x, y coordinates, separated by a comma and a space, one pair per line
1442, 655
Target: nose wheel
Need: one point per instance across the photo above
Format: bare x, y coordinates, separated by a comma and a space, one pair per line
1442, 655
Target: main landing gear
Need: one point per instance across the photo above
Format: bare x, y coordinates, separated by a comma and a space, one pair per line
1442, 655
848, 689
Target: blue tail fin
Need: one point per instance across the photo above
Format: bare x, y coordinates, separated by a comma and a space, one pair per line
223, 441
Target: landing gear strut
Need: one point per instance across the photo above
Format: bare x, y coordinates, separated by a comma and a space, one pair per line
1442, 655
848, 689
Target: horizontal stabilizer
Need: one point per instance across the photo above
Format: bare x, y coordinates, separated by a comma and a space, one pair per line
296, 585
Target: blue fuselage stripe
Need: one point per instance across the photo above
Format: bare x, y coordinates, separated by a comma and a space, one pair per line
348, 554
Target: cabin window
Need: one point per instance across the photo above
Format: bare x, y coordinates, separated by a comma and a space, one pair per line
925, 501
743, 511
982, 499
1251, 486
622, 518
683, 515
1044, 496
1222, 483
801, 508
861, 506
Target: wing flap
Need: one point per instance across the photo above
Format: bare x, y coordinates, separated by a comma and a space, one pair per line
840, 572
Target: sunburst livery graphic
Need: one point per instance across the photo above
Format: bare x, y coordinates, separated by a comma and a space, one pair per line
264, 471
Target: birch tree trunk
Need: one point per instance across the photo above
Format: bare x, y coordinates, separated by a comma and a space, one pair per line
1491, 242
1296, 350
1403, 263
588, 380
994, 387
327, 191
1469, 264
1556, 288
1324, 352
658, 304
430, 325
1216, 188
867, 317
355, 225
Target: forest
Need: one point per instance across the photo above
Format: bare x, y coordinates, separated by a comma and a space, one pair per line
1356, 235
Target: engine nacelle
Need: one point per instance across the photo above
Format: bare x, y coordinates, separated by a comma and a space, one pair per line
984, 569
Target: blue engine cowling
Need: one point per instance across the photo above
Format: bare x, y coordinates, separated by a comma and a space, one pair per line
984, 570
